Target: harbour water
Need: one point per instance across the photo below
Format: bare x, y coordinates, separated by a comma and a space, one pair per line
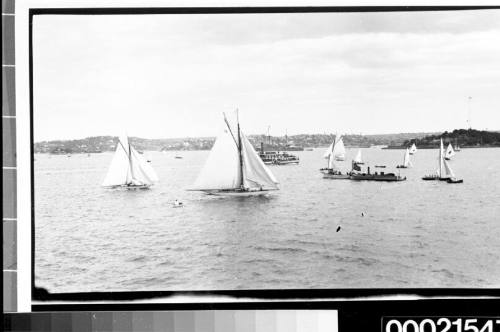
412, 234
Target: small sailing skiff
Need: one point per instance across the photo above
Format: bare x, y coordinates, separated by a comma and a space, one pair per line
233, 167
406, 160
358, 159
413, 149
335, 152
128, 169
444, 171
449, 152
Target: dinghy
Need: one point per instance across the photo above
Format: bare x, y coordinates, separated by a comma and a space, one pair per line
413, 149
449, 152
128, 169
233, 168
406, 160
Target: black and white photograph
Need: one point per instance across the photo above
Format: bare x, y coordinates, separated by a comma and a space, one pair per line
266, 151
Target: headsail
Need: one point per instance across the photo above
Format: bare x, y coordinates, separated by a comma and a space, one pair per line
413, 149
358, 158
449, 151
448, 171
256, 175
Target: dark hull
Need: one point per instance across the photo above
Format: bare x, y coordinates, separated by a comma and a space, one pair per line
430, 178
373, 177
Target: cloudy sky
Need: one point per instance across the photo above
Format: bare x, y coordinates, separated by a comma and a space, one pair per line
160, 76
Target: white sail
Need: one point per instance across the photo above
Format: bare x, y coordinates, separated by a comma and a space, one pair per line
413, 149
449, 151
256, 175
441, 159
329, 151
406, 161
448, 171
221, 170
119, 169
128, 167
141, 170
339, 150
358, 158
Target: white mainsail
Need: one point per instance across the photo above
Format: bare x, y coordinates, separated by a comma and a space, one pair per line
223, 171
339, 150
128, 167
449, 151
358, 158
406, 161
413, 149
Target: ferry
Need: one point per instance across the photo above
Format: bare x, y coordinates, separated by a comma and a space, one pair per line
278, 158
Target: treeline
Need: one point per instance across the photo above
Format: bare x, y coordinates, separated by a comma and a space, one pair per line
461, 137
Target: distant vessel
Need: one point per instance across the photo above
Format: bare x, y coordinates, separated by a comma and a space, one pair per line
358, 159
368, 176
413, 149
308, 149
406, 160
335, 152
449, 152
444, 171
277, 157
178, 156
233, 168
128, 169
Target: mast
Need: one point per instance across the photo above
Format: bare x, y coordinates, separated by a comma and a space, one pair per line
441, 159
130, 159
239, 149
331, 152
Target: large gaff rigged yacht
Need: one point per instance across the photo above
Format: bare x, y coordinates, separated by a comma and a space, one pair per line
335, 152
128, 168
233, 168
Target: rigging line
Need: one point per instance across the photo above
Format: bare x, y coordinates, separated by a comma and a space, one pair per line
230, 131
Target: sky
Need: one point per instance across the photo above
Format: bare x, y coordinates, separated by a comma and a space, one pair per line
166, 76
